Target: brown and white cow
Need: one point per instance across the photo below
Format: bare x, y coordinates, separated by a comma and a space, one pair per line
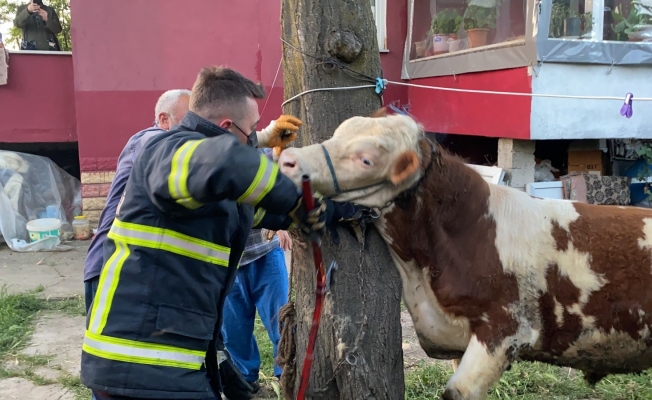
489, 273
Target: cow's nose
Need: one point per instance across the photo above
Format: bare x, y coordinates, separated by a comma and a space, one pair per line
289, 164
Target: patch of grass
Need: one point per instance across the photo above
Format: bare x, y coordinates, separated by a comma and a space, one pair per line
18, 313
533, 381
74, 385
74, 306
266, 349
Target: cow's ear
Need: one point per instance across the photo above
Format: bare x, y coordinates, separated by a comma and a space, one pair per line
404, 167
381, 112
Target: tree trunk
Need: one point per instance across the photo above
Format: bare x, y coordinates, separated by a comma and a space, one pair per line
358, 354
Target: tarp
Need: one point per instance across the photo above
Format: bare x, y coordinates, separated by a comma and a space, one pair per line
33, 187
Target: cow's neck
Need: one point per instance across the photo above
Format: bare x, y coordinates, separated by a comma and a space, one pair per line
447, 202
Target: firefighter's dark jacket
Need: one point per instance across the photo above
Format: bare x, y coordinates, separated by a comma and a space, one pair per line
171, 257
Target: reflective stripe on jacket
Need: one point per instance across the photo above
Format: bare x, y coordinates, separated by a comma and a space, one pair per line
171, 257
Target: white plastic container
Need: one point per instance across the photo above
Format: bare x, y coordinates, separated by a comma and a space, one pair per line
81, 228
42, 228
440, 44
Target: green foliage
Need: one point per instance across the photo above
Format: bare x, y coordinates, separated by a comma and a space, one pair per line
447, 22
476, 17
557, 16
625, 26
587, 22
533, 381
560, 12
8, 10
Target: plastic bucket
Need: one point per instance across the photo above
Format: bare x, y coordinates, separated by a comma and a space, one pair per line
440, 44
42, 228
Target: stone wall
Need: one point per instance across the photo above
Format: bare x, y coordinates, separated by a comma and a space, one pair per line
516, 157
95, 189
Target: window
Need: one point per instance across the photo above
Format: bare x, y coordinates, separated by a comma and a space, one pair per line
596, 31
379, 10
445, 28
448, 37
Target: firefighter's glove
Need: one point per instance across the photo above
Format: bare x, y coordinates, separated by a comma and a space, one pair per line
279, 133
315, 220
234, 386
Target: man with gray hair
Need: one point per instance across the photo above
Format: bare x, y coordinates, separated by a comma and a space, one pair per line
168, 112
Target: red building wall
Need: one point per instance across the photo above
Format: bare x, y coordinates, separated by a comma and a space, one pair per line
160, 45
471, 113
37, 105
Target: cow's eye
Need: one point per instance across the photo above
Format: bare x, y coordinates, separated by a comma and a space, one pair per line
367, 162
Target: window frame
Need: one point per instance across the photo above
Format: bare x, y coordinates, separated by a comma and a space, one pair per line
577, 51
490, 59
379, 12
41, 52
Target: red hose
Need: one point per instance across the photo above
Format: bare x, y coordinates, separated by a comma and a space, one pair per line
320, 293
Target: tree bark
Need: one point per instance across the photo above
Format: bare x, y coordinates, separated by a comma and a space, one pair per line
361, 315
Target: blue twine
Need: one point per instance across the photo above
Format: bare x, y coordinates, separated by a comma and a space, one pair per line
403, 110
380, 85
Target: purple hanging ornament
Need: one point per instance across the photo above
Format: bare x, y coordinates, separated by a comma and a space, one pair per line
626, 109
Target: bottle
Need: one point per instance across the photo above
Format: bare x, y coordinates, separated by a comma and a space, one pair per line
81, 227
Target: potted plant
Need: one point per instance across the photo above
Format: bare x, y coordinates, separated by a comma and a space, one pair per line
557, 17
445, 25
635, 27
477, 23
421, 47
587, 25
572, 24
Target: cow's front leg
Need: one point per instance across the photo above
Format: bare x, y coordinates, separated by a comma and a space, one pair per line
479, 369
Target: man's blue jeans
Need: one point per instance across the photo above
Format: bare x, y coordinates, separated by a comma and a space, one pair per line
90, 287
261, 285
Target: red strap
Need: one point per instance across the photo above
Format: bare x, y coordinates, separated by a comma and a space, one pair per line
319, 298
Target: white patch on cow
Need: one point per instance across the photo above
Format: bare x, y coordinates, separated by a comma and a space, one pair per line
527, 248
437, 330
645, 243
587, 321
559, 312
478, 370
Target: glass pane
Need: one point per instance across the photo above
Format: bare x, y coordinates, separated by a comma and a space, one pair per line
628, 20
445, 27
572, 19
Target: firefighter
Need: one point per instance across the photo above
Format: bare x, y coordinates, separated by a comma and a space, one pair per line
172, 253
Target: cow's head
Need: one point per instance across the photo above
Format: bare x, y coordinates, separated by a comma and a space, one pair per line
369, 160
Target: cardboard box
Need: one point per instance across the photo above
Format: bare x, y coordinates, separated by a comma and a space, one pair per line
590, 162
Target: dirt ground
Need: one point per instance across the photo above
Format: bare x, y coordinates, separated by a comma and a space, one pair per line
57, 337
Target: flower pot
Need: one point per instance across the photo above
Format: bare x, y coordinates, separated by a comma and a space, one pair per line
572, 27
455, 44
440, 44
643, 33
420, 48
477, 37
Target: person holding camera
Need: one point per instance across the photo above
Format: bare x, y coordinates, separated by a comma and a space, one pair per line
40, 25
4, 62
